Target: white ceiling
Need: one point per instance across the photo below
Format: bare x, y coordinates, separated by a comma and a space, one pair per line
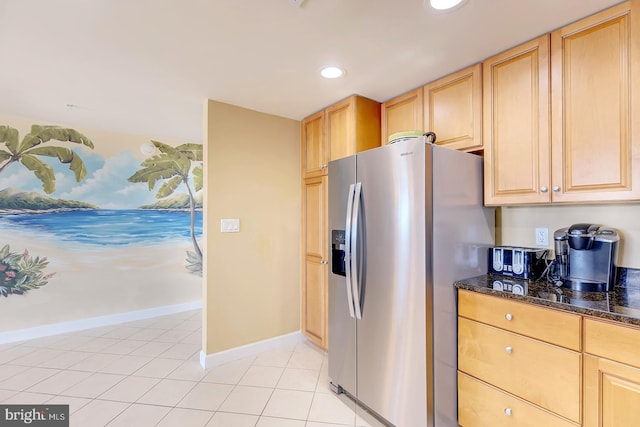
146, 66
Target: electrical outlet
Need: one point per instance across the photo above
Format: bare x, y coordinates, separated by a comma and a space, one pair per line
542, 236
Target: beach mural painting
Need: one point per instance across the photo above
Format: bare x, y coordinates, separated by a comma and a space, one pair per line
175, 166
103, 229
21, 273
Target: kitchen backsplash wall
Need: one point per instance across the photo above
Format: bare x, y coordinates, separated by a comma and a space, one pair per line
516, 225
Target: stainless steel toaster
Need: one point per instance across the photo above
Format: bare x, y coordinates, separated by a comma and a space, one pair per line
523, 263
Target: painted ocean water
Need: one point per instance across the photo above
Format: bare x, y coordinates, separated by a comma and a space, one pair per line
105, 227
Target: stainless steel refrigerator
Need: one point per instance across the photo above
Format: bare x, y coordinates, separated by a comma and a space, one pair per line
406, 220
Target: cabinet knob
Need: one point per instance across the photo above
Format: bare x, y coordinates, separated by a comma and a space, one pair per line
543, 189
324, 261
509, 350
508, 316
555, 188
507, 411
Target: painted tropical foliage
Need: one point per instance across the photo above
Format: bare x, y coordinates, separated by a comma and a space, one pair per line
32, 146
176, 166
20, 273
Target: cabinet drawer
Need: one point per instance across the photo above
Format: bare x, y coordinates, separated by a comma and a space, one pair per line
614, 342
541, 373
481, 405
541, 323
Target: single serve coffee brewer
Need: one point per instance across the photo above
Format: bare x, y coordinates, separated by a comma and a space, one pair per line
586, 257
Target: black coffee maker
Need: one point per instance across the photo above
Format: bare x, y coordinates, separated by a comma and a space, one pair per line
586, 257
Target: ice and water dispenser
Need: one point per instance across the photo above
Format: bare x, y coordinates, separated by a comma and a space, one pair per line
337, 252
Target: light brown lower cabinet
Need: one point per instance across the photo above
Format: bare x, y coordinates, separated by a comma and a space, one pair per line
515, 370
487, 406
315, 264
611, 374
315, 301
611, 393
543, 374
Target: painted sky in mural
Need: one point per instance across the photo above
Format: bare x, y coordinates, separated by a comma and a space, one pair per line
105, 185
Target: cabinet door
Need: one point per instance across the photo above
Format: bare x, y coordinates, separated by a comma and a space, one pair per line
314, 149
516, 125
315, 217
341, 129
592, 145
315, 265
402, 113
611, 393
314, 300
453, 109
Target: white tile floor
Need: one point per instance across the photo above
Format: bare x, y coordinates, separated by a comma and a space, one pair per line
147, 373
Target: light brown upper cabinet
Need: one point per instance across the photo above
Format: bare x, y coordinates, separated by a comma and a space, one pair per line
315, 153
594, 73
402, 113
593, 152
343, 129
353, 125
516, 125
453, 109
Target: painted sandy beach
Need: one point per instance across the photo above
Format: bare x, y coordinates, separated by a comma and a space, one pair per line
91, 280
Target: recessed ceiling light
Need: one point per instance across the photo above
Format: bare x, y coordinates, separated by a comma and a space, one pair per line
331, 72
444, 4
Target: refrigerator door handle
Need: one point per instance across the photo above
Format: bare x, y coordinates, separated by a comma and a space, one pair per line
347, 249
355, 284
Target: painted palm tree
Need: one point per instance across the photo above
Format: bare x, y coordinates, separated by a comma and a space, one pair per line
175, 165
31, 148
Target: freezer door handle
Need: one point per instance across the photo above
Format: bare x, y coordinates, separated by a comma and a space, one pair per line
347, 249
354, 250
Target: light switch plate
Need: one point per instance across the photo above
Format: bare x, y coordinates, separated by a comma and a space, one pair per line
230, 225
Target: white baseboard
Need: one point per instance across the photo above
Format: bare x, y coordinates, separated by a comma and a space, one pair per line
94, 322
215, 359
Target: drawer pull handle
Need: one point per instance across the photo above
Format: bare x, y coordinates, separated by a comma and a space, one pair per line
507, 411
508, 316
509, 350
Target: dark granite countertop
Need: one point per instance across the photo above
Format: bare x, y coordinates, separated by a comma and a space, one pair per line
622, 304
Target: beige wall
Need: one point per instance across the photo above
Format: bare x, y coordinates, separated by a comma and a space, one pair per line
252, 172
517, 225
